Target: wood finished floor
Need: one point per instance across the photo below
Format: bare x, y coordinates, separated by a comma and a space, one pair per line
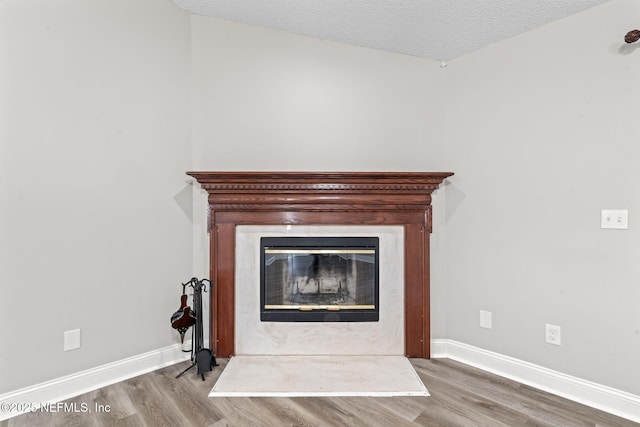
460, 396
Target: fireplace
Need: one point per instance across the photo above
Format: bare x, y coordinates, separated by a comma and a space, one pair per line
319, 279
316, 199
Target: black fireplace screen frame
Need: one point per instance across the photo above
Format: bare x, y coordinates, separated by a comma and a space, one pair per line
368, 312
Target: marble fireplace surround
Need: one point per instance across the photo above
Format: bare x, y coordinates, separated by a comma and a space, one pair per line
384, 337
320, 199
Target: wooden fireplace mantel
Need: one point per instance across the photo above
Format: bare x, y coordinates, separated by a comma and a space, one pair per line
320, 198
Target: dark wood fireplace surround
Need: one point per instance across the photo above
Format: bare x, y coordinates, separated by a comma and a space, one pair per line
320, 198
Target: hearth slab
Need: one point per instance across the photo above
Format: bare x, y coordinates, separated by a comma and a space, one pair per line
296, 376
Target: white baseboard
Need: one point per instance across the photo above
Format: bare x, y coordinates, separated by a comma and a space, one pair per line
588, 393
82, 382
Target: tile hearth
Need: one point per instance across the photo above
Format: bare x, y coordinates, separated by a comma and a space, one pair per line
297, 376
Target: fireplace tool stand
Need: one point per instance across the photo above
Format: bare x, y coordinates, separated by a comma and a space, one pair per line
201, 357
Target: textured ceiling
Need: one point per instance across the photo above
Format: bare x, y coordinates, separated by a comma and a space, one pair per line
436, 29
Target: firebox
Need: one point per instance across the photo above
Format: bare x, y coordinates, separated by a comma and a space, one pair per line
319, 279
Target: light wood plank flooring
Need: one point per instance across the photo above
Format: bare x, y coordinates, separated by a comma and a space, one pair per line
460, 396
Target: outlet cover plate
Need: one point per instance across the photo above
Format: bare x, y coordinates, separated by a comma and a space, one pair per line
553, 334
614, 218
485, 319
71, 339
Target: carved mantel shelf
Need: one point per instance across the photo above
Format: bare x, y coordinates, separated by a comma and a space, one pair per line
321, 198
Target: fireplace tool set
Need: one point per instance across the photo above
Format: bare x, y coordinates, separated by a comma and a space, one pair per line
187, 317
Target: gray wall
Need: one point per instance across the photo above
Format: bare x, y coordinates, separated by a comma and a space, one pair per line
542, 131
94, 204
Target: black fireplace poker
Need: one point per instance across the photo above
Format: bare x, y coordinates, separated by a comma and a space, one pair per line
201, 356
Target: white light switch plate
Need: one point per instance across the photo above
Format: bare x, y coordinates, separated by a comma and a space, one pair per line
614, 218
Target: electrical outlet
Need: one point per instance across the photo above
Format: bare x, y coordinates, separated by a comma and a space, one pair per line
485, 319
614, 218
553, 334
71, 339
